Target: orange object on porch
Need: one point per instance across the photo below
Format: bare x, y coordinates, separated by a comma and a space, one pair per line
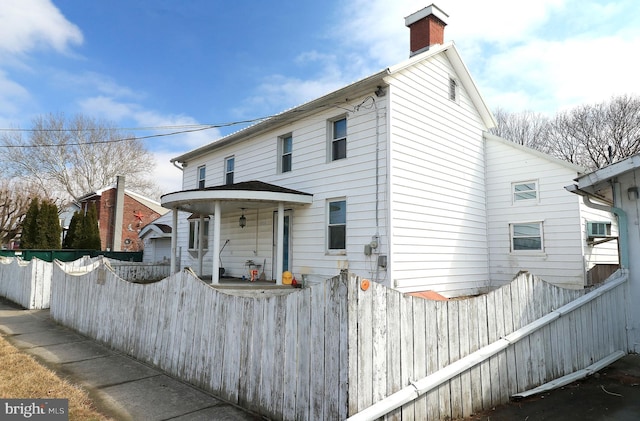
254, 275
287, 278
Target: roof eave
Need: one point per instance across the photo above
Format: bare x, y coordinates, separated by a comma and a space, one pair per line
598, 179
286, 116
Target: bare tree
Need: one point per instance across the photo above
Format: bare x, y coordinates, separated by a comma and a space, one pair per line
526, 128
591, 136
15, 198
77, 156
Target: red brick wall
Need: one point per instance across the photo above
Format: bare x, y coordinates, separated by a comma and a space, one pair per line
426, 32
131, 224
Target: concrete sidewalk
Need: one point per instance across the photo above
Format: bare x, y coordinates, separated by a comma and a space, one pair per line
121, 387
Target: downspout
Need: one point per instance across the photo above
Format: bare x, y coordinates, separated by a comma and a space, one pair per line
623, 234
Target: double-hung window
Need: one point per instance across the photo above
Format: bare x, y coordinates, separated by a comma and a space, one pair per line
285, 148
526, 191
229, 167
527, 237
337, 227
194, 234
202, 173
338, 139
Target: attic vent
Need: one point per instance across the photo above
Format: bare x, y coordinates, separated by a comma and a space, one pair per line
598, 229
453, 89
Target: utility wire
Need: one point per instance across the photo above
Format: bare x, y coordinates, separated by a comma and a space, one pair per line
188, 128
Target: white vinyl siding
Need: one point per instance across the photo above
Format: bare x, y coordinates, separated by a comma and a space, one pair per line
313, 174
437, 202
565, 257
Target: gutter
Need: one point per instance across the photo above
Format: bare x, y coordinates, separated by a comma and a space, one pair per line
623, 234
175, 164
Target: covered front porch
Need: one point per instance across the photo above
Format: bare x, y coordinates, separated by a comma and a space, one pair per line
220, 203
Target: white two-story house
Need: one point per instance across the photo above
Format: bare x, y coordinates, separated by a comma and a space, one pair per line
391, 177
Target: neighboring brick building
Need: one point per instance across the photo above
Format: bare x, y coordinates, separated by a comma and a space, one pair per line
136, 212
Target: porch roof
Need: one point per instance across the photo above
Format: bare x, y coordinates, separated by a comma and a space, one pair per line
247, 194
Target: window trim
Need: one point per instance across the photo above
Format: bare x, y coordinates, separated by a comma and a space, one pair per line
228, 159
328, 224
282, 153
523, 201
194, 234
201, 176
332, 139
512, 237
607, 225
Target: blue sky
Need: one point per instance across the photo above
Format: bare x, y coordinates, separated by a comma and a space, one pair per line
159, 63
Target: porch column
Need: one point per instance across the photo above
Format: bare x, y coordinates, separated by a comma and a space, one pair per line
174, 239
215, 276
280, 248
200, 244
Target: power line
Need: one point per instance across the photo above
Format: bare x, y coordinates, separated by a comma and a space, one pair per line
188, 128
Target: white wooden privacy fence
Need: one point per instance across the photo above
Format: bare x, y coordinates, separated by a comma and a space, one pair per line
26, 283
335, 349
281, 355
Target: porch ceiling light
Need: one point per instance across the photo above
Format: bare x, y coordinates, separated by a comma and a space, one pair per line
243, 219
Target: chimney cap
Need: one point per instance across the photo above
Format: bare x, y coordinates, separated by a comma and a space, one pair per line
421, 14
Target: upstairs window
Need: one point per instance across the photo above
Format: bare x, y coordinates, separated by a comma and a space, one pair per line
202, 173
337, 229
285, 148
525, 191
339, 139
229, 167
526, 237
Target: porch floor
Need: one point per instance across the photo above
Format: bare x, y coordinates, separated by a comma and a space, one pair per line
231, 283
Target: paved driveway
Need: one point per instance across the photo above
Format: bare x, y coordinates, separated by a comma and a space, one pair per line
611, 394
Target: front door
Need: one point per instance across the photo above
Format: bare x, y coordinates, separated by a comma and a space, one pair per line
286, 258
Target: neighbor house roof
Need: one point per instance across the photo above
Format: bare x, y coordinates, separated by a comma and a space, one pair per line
360, 87
151, 204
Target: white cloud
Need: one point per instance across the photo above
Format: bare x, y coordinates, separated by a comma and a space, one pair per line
113, 110
11, 94
370, 35
164, 148
166, 175
27, 24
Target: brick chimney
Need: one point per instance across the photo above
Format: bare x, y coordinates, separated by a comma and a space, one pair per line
426, 28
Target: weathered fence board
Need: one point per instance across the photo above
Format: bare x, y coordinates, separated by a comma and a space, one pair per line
519, 338
26, 283
272, 354
331, 350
